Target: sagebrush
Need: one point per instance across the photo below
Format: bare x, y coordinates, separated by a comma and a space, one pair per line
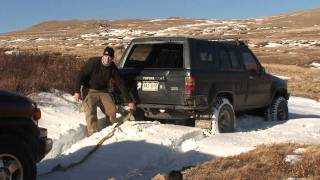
26, 73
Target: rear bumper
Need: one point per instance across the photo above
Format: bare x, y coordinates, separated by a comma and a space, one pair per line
169, 112
172, 107
45, 144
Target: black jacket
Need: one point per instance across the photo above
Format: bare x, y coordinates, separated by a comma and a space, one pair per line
94, 75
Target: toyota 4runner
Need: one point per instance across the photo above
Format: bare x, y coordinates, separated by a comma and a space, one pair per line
207, 81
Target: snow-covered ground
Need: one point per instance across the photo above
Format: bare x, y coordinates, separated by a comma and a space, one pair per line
315, 65
140, 150
297, 43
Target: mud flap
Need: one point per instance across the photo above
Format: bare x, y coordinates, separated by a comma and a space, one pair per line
214, 125
208, 124
203, 123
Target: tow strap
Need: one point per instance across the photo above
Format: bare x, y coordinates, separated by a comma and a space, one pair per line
61, 168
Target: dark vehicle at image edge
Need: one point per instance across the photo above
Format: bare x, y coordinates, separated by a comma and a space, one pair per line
202, 81
22, 142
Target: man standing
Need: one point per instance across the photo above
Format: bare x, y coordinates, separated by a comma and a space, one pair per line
99, 75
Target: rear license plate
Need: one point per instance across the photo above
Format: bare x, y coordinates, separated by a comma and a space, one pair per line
150, 86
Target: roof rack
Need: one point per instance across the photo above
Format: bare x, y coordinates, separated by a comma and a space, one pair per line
233, 40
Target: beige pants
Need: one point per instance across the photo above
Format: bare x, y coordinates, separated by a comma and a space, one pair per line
104, 101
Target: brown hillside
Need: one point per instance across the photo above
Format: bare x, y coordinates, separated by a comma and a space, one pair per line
307, 18
287, 39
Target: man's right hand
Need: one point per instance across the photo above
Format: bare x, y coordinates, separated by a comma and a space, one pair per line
77, 96
132, 105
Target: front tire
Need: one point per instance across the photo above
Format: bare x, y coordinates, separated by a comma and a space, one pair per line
278, 110
15, 162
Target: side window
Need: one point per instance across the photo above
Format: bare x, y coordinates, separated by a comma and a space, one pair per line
203, 56
224, 59
249, 61
206, 56
234, 59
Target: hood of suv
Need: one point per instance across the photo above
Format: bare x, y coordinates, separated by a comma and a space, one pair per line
14, 105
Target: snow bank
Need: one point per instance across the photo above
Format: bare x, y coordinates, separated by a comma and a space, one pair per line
297, 43
12, 52
136, 151
315, 65
139, 150
18, 40
89, 35
63, 118
41, 39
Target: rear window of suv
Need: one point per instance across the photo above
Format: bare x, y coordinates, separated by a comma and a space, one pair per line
164, 55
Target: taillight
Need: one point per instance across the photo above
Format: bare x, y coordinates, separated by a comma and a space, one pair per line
190, 85
36, 114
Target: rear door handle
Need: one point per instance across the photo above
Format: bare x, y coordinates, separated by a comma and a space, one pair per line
251, 77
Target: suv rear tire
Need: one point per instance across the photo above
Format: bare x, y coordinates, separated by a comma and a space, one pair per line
278, 110
223, 117
14, 151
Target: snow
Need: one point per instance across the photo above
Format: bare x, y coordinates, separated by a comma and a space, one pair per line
12, 52
292, 158
157, 20
18, 40
142, 149
72, 39
283, 77
63, 118
89, 35
299, 151
273, 44
41, 39
203, 27
315, 65
296, 43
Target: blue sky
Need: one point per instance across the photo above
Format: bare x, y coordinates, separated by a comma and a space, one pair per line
19, 14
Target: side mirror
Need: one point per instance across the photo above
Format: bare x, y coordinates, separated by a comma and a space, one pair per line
263, 71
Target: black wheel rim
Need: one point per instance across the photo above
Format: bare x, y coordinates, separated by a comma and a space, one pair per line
10, 167
225, 119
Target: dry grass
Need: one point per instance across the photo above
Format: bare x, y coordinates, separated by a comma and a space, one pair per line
26, 73
300, 56
265, 162
32, 71
304, 82
293, 62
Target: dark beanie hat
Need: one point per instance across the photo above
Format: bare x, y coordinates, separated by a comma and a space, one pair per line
108, 51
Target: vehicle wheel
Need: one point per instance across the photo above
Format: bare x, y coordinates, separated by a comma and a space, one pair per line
278, 110
223, 117
15, 163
